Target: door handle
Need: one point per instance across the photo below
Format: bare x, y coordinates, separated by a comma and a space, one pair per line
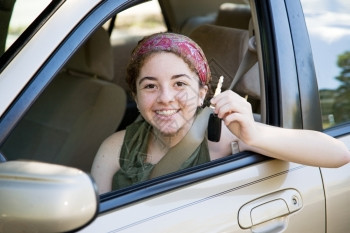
274, 206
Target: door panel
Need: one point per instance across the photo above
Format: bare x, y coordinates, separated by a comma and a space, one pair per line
213, 205
337, 190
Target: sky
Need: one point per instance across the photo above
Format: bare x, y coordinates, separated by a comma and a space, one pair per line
22, 16
328, 23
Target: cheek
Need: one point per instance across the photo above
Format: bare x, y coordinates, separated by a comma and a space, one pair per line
144, 101
188, 98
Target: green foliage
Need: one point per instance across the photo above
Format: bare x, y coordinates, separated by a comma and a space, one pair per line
341, 105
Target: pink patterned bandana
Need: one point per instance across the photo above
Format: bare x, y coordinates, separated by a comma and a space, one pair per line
179, 44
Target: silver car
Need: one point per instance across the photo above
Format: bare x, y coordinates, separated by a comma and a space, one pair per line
63, 91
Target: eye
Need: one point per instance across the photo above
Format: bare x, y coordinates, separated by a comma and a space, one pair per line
180, 84
150, 86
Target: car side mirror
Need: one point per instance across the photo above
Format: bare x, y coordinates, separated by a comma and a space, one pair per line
41, 197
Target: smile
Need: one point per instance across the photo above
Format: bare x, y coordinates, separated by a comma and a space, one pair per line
166, 112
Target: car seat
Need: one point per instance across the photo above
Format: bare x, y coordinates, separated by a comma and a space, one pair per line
225, 49
234, 15
75, 113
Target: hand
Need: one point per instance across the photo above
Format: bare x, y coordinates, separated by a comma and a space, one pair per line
237, 115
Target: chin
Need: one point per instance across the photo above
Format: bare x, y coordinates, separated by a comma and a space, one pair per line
168, 131
170, 128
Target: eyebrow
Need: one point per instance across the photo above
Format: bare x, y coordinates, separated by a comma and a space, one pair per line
146, 78
180, 75
154, 79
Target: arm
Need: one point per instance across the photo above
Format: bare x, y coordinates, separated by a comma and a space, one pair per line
301, 146
106, 162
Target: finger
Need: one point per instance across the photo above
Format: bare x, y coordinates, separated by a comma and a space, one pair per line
222, 95
234, 118
239, 125
229, 96
224, 107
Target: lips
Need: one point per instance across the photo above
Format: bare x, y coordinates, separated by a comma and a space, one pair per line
168, 112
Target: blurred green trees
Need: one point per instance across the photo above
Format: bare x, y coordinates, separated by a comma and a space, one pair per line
335, 103
341, 105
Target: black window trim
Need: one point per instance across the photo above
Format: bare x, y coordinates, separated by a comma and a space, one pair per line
268, 45
307, 81
338, 130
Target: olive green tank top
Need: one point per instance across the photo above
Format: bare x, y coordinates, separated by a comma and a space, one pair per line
133, 155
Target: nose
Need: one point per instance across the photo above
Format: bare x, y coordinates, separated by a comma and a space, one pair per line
166, 95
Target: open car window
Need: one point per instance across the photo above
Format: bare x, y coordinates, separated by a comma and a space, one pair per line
88, 99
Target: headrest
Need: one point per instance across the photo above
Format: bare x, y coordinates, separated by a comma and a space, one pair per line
225, 48
94, 58
234, 15
194, 22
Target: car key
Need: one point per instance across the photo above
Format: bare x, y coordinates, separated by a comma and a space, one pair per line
214, 123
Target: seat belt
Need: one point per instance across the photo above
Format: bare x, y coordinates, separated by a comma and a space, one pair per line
179, 153
248, 61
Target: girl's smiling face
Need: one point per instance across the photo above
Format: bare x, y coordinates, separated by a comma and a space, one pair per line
168, 93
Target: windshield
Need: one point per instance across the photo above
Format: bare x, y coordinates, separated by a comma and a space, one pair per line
16, 15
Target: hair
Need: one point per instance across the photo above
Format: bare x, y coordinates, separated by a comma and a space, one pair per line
147, 47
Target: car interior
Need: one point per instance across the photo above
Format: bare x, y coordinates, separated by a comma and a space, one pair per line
88, 100
79, 108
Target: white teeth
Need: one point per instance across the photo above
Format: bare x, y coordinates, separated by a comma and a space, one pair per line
166, 112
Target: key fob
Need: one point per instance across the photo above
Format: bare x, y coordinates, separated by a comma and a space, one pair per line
214, 128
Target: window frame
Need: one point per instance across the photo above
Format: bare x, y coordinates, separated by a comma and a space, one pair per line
277, 112
47, 72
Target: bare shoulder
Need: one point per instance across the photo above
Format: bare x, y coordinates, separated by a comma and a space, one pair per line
106, 162
114, 141
109, 151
